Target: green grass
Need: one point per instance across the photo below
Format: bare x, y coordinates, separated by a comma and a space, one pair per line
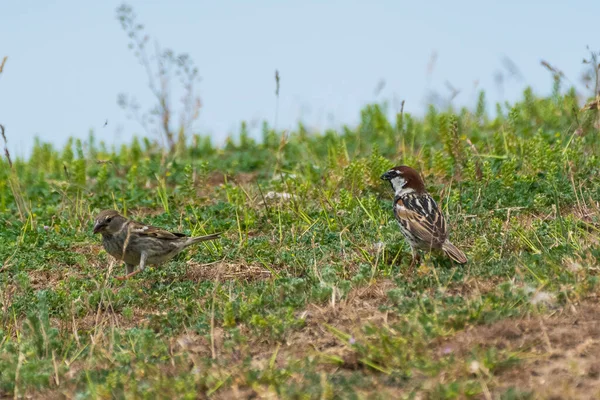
306, 295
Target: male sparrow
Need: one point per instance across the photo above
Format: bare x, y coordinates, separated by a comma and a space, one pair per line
421, 220
139, 244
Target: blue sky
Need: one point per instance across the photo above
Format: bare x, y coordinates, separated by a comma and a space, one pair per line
68, 60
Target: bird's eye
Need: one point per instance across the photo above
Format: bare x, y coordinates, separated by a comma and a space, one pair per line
108, 219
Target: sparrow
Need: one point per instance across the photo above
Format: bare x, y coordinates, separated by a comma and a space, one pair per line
139, 244
421, 220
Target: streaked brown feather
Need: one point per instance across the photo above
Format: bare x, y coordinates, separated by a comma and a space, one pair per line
153, 231
421, 216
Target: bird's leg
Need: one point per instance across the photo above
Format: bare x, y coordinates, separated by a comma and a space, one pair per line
416, 259
143, 260
132, 273
129, 268
124, 277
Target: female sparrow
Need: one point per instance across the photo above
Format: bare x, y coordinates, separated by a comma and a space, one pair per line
421, 221
139, 244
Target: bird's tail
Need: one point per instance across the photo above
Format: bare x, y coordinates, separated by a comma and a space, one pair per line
198, 239
454, 253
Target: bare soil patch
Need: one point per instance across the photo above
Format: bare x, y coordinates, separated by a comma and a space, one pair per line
560, 353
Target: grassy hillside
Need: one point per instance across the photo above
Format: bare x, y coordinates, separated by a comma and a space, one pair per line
307, 295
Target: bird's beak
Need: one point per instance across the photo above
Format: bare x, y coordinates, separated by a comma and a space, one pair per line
97, 227
386, 176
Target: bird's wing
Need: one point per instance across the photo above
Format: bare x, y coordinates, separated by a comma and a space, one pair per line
153, 231
422, 217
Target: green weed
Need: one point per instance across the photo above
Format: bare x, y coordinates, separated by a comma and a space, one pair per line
306, 295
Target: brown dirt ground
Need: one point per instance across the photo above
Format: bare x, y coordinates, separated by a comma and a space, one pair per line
559, 353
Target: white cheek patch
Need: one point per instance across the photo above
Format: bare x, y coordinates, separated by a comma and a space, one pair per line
398, 185
398, 182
